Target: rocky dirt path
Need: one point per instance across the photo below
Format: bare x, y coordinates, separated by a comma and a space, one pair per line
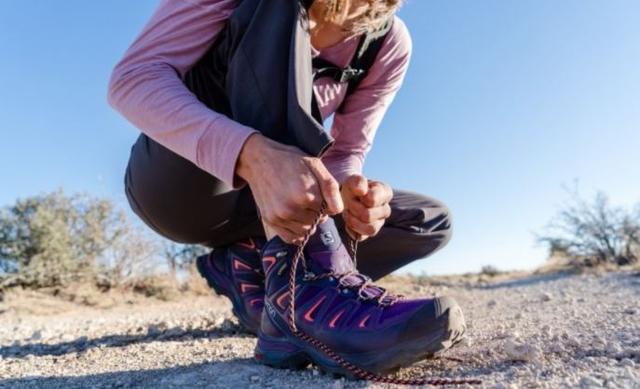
537, 331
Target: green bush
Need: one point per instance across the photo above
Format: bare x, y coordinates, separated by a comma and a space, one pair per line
56, 240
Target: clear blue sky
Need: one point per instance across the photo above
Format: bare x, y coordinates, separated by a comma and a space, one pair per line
504, 103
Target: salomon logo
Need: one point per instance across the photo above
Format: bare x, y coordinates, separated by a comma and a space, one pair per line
270, 309
327, 238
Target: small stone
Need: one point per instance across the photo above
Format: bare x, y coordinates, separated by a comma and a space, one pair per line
173, 332
518, 316
613, 348
153, 330
626, 362
466, 341
36, 335
590, 382
255, 378
630, 311
492, 303
339, 384
573, 341
555, 348
546, 297
315, 372
520, 351
218, 321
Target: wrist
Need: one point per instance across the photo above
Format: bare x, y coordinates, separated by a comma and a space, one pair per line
249, 157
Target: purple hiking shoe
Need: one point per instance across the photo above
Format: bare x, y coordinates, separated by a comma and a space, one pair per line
339, 310
236, 272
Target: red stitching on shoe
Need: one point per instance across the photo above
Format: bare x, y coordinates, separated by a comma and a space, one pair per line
251, 245
239, 265
307, 315
332, 323
363, 322
280, 300
271, 261
254, 302
244, 287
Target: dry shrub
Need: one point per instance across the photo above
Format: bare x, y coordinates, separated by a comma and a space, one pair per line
194, 284
594, 233
161, 286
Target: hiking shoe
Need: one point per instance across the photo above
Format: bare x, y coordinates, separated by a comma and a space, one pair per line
340, 308
236, 272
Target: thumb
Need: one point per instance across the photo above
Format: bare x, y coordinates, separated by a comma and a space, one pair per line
356, 185
328, 186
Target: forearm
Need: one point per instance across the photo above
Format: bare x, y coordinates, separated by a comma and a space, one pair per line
158, 103
146, 86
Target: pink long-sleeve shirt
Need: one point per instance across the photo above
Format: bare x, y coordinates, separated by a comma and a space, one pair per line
147, 87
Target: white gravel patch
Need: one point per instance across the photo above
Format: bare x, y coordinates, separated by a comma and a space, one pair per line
539, 331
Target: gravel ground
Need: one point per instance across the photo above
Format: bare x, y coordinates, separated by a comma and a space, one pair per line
555, 330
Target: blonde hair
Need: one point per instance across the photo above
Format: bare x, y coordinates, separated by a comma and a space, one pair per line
376, 15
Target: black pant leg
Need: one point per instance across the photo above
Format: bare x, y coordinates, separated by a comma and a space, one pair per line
184, 203
418, 227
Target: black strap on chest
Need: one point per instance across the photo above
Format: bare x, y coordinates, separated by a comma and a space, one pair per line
363, 59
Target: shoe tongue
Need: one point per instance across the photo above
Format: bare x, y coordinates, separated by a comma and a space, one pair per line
325, 252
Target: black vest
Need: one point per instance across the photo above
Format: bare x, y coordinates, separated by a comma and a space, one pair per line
259, 73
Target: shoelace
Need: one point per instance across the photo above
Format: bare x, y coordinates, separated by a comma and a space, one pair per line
364, 285
358, 372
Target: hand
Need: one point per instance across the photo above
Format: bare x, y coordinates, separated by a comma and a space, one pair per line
366, 206
288, 186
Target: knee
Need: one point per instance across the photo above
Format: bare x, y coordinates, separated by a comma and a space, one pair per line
438, 219
435, 228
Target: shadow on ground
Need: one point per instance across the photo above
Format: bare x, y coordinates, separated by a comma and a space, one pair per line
83, 343
526, 281
237, 372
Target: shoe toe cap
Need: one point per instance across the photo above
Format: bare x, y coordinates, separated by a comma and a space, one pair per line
442, 316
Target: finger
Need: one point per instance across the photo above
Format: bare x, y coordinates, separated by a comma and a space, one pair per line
297, 228
356, 185
328, 186
379, 194
368, 215
311, 197
366, 229
303, 216
355, 236
285, 234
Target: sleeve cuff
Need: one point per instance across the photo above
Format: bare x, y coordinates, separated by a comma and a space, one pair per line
219, 148
342, 166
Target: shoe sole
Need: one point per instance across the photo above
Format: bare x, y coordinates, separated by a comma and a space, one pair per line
215, 284
296, 355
